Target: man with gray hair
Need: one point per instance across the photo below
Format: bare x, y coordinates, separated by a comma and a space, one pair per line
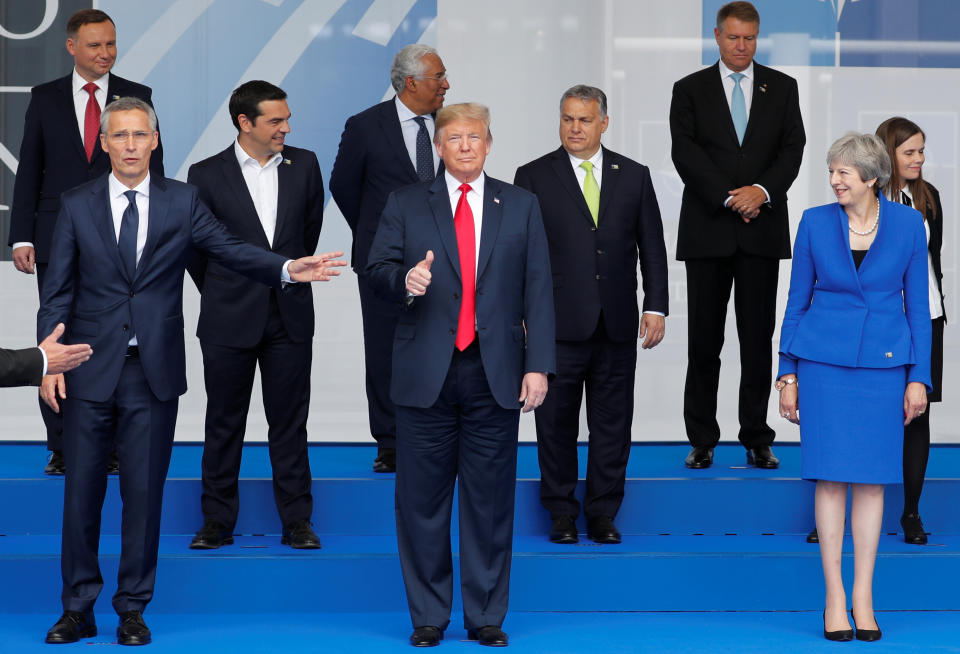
384, 148
601, 216
115, 280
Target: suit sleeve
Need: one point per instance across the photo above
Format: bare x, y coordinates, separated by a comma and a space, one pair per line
313, 221
779, 175
539, 318
697, 170
385, 270
56, 297
21, 367
916, 304
197, 261
26, 186
802, 278
156, 159
346, 179
652, 249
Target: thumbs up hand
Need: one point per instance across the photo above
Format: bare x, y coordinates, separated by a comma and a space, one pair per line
418, 279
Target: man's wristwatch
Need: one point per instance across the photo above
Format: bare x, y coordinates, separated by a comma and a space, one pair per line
783, 383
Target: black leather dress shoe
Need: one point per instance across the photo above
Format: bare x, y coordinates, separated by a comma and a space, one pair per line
762, 457
813, 536
212, 535
55, 465
300, 536
868, 635
699, 457
491, 636
386, 460
840, 635
426, 636
113, 464
913, 532
132, 630
71, 627
602, 530
563, 530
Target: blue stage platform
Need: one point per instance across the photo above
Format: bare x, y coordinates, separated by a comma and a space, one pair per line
712, 560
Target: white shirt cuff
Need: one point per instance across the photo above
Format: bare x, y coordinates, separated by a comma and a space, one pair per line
44, 354
656, 313
285, 274
759, 186
21, 244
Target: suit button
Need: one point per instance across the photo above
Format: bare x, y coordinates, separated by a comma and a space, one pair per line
593, 229
126, 327
131, 293
456, 296
598, 278
453, 332
599, 251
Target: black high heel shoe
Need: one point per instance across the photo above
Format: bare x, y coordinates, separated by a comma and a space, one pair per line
868, 635
841, 635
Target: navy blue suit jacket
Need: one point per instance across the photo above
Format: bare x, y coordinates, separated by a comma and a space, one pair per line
371, 163
877, 317
514, 302
234, 310
52, 158
88, 289
595, 266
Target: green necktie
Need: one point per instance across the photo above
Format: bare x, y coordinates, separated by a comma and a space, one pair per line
591, 192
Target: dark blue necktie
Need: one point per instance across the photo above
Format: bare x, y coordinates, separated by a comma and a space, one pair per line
424, 155
127, 239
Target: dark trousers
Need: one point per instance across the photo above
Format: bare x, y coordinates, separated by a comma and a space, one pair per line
607, 370
228, 374
143, 427
916, 435
464, 435
52, 420
379, 323
754, 282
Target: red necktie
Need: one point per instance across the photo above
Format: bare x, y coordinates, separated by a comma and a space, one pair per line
466, 248
91, 121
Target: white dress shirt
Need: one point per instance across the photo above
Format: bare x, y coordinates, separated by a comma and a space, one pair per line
596, 160
746, 85
119, 204
262, 185
410, 129
80, 98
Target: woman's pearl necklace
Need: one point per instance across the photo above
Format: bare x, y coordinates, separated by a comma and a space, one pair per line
871, 230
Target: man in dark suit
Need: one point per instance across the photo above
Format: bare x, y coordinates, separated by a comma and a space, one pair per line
737, 144
271, 195
60, 150
28, 366
600, 213
471, 347
382, 149
116, 279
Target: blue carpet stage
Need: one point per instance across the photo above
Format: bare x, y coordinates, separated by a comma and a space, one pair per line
712, 561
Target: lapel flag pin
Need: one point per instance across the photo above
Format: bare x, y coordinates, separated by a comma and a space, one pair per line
763, 88
496, 200
287, 162
116, 97
614, 166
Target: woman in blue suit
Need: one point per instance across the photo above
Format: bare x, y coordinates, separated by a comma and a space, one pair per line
857, 332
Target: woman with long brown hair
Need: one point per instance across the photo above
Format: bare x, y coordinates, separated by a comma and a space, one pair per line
905, 141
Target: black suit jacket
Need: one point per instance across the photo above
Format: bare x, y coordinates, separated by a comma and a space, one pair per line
711, 162
21, 367
595, 267
234, 309
371, 163
52, 159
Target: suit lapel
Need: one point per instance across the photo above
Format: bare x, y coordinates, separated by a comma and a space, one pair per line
390, 123
608, 185
439, 201
715, 86
492, 216
758, 101
285, 174
237, 187
69, 116
100, 212
159, 204
568, 180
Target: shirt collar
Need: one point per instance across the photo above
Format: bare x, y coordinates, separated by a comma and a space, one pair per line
726, 72
79, 82
404, 113
453, 184
118, 188
596, 159
245, 159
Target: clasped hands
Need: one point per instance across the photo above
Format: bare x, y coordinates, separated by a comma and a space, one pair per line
747, 201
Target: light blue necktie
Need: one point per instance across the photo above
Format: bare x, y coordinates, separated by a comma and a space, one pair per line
738, 107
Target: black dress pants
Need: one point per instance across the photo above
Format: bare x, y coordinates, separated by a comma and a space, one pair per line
754, 283
606, 369
228, 374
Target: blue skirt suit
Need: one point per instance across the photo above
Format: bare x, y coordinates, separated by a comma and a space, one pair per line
855, 338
